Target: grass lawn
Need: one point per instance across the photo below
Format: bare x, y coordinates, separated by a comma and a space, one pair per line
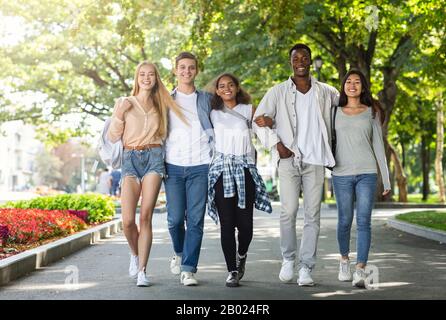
416, 198
431, 219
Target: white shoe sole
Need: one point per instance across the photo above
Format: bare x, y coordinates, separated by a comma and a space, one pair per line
303, 284
344, 279
287, 280
143, 284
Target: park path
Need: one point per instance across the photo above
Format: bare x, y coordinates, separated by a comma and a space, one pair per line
409, 268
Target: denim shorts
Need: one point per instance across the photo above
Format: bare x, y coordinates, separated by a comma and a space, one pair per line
139, 163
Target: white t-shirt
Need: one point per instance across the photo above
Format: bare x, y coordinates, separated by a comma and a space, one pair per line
187, 145
232, 136
309, 132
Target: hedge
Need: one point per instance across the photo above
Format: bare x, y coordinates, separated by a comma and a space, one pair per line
100, 207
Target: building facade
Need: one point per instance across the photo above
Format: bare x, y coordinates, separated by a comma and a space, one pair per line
18, 148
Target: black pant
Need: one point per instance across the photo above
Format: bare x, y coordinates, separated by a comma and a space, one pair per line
231, 217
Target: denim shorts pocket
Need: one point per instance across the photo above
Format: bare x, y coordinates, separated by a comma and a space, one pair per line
127, 154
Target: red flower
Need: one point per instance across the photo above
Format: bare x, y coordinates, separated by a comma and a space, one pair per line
30, 225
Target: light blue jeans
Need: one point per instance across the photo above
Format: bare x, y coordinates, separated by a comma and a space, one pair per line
348, 189
186, 195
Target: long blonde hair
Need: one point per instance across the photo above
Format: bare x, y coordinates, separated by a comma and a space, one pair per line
162, 100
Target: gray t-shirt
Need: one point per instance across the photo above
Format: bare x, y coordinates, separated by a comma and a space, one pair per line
359, 146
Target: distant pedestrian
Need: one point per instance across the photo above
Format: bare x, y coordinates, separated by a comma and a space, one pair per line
116, 186
104, 182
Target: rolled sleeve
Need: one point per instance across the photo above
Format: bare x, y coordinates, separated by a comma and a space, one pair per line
334, 95
268, 137
116, 128
378, 149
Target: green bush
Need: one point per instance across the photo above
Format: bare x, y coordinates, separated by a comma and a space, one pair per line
100, 207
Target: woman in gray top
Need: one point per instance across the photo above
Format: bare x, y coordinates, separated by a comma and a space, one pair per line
359, 151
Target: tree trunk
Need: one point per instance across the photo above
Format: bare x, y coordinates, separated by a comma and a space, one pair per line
341, 67
400, 176
387, 98
439, 177
403, 154
425, 164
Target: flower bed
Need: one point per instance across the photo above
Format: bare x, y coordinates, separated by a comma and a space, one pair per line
23, 228
95, 207
27, 224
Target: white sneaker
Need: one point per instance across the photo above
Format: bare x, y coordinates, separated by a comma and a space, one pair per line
233, 279
175, 264
133, 268
305, 277
344, 271
359, 278
188, 278
287, 271
143, 280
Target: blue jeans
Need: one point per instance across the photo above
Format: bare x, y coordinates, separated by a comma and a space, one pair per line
186, 195
348, 189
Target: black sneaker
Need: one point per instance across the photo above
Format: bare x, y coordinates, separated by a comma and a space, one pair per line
241, 262
232, 279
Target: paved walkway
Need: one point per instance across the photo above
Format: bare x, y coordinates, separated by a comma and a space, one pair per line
409, 268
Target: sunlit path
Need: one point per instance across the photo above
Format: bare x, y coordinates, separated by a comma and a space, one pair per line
409, 268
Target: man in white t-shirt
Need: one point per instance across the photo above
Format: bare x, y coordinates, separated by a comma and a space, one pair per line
189, 150
300, 141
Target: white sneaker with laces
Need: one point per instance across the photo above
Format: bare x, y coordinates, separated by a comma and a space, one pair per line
344, 271
305, 278
175, 264
143, 280
188, 279
359, 278
133, 268
287, 271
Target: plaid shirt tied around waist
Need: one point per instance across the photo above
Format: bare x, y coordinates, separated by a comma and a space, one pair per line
232, 168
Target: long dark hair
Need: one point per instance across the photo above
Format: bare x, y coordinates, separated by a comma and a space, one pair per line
366, 96
241, 97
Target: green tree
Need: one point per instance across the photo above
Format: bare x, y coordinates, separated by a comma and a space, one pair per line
377, 37
78, 55
81, 55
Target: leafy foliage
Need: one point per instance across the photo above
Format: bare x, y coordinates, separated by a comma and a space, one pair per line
80, 55
100, 208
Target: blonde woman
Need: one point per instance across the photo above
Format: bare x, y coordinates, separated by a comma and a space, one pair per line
140, 120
